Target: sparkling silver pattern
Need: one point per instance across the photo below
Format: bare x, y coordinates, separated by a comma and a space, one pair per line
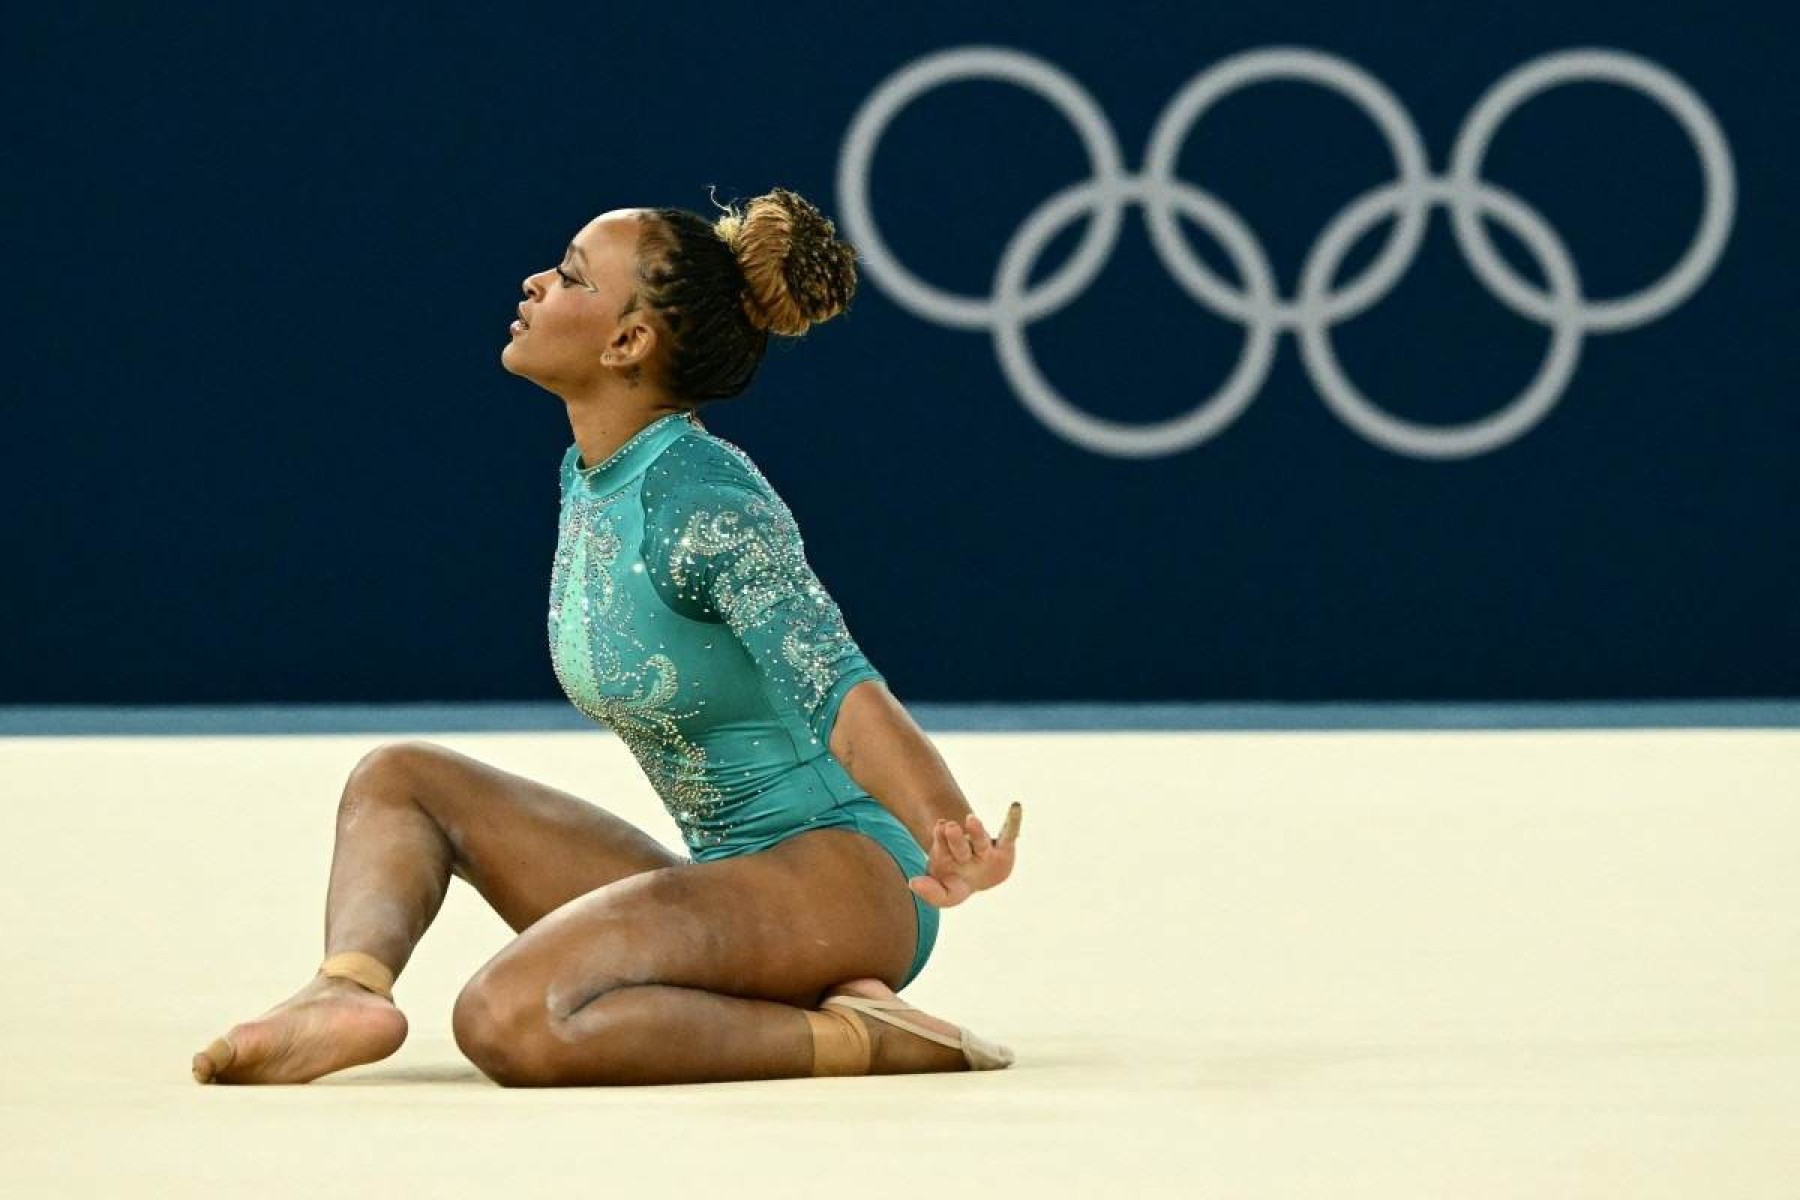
591, 625
633, 612
749, 562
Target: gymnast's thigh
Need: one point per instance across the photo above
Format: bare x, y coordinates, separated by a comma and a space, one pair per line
526, 847
786, 923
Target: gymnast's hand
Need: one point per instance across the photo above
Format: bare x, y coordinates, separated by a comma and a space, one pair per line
964, 860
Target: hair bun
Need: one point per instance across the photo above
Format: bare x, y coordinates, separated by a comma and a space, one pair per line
796, 271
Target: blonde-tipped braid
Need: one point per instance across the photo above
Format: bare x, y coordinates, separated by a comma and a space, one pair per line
796, 272
722, 287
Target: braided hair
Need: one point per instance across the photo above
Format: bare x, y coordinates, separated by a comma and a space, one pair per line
722, 288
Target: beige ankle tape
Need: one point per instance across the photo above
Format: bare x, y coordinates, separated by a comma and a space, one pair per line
361, 968
841, 1043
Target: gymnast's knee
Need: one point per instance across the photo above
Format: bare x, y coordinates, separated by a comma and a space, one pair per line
384, 775
504, 1035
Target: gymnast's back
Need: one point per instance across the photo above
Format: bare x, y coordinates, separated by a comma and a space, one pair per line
684, 616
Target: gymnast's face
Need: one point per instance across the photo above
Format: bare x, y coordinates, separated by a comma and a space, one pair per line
578, 325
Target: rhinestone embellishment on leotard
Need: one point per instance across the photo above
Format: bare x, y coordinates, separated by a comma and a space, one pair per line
762, 564
590, 617
634, 439
719, 550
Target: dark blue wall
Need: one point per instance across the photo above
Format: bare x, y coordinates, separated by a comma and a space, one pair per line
262, 262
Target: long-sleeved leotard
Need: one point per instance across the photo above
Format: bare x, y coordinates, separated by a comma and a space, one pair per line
684, 615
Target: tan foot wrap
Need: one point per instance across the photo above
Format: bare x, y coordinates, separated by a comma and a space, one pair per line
841, 1043
364, 969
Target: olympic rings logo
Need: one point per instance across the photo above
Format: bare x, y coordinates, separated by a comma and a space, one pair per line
1014, 302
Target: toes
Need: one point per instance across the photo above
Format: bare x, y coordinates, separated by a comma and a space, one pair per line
212, 1061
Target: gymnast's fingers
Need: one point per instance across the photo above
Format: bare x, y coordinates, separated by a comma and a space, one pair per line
959, 842
1009, 832
929, 890
978, 837
940, 854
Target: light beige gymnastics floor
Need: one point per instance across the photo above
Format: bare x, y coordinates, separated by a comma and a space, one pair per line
1232, 965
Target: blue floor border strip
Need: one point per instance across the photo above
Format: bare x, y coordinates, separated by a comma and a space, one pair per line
553, 716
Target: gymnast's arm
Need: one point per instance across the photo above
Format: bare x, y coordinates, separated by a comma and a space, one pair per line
735, 550
889, 756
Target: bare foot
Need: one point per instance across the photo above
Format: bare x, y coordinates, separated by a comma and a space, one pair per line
895, 1051
326, 1026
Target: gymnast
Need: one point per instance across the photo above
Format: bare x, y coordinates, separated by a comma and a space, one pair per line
684, 616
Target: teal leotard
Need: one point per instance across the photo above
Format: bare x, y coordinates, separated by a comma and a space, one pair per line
684, 615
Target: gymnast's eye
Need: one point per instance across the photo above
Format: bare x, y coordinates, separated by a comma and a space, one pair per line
568, 279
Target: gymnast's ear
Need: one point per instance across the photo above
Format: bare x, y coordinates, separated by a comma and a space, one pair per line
632, 342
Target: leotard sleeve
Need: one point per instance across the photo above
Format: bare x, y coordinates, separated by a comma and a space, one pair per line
728, 549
